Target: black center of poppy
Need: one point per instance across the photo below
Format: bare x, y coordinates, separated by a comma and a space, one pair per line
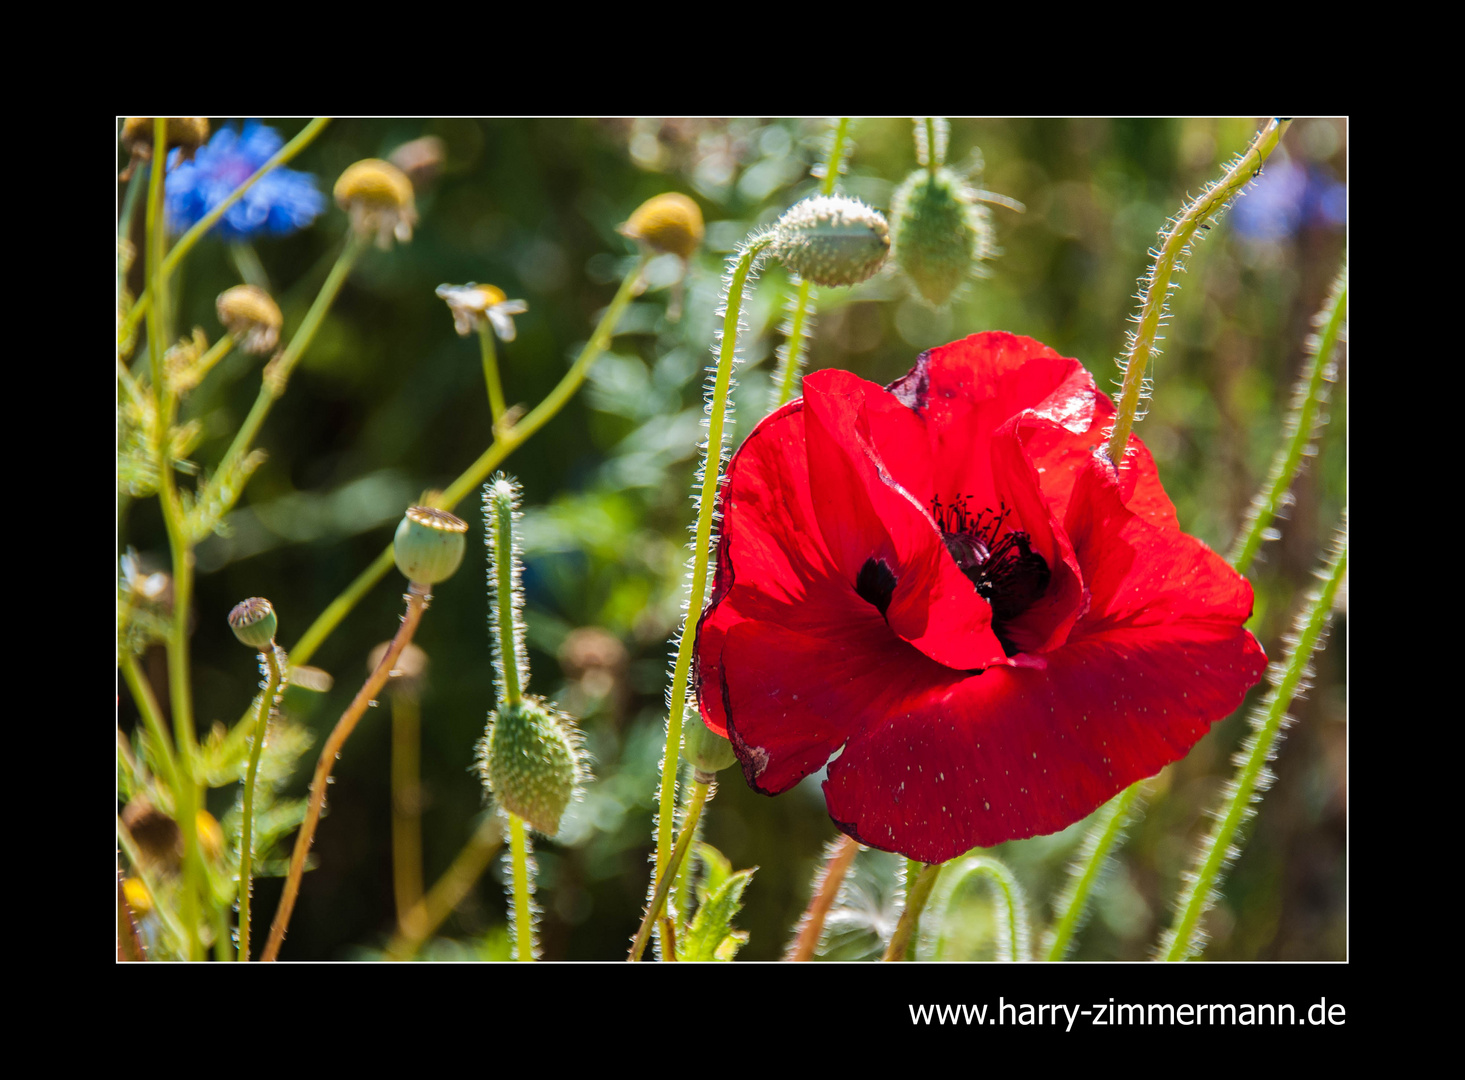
876, 583
999, 561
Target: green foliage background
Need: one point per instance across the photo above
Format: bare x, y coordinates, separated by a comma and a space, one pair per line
390, 402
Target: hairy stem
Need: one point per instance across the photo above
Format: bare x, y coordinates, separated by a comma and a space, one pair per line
276, 665
523, 916
417, 600
1072, 904
917, 893
700, 788
826, 889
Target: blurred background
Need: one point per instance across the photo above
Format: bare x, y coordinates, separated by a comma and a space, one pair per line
389, 402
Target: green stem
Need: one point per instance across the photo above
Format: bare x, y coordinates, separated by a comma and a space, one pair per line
193, 235
700, 789
428, 913
1174, 247
1302, 422
711, 468
491, 372
1014, 931
503, 445
523, 916
1184, 939
503, 564
933, 162
152, 716
916, 896
1072, 904
406, 802
275, 663
804, 301
417, 600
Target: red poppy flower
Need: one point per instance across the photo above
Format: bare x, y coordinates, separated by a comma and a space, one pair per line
940, 589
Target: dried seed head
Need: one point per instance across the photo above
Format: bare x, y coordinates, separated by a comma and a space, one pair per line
252, 316
667, 223
940, 233
429, 544
253, 622
187, 133
378, 196
530, 760
831, 240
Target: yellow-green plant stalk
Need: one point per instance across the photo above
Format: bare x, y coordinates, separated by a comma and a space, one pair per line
1304, 421
1070, 908
786, 378
1185, 938
839, 856
918, 890
428, 913
1155, 286
1014, 936
701, 786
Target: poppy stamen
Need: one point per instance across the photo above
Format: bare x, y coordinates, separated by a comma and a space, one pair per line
1002, 565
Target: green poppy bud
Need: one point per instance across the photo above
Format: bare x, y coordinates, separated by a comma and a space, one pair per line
530, 762
708, 751
429, 544
831, 240
939, 232
254, 622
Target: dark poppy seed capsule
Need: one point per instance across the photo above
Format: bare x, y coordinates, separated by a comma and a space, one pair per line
429, 544
831, 240
530, 763
708, 751
938, 233
254, 622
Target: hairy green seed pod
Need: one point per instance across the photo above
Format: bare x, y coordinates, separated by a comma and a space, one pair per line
831, 240
708, 751
254, 622
530, 762
429, 544
938, 233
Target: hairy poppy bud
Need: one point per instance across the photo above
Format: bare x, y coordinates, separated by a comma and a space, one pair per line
831, 240
668, 223
253, 622
530, 762
378, 196
939, 233
252, 316
708, 751
429, 544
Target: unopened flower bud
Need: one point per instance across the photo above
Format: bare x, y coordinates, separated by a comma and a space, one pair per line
667, 223
530, 762
429, 544
940, 233
252, 316
378, 196
210, 836
253, 622
138, 897
832, 240
708, 751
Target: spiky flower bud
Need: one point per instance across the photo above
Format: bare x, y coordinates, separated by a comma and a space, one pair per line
667, 223
254, 622
379, 198
252, 316
187, 133
831, 240
940, 233
530, 760
429, 544
708, 751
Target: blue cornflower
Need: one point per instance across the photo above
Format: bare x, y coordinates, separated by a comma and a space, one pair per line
282, 202
1289, 197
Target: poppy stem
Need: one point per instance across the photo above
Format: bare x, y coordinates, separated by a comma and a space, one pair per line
418, 597
1175, 246
491, 372
275, 664
826, 888
916, 896
523, 915
700, 789
1185, 939
428, 913
1071, 905
1014, 933
719, 408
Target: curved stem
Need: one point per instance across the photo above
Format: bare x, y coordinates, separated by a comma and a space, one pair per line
1173, 248
1072, 903
193, 235
697, 590
916, 896
491, 372
275, 664
826, 889
417, 600
427, 914
503, 445
1014, 930
523, 917
700, 789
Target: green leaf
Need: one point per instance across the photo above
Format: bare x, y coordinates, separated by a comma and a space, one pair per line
711, 937
716, 868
